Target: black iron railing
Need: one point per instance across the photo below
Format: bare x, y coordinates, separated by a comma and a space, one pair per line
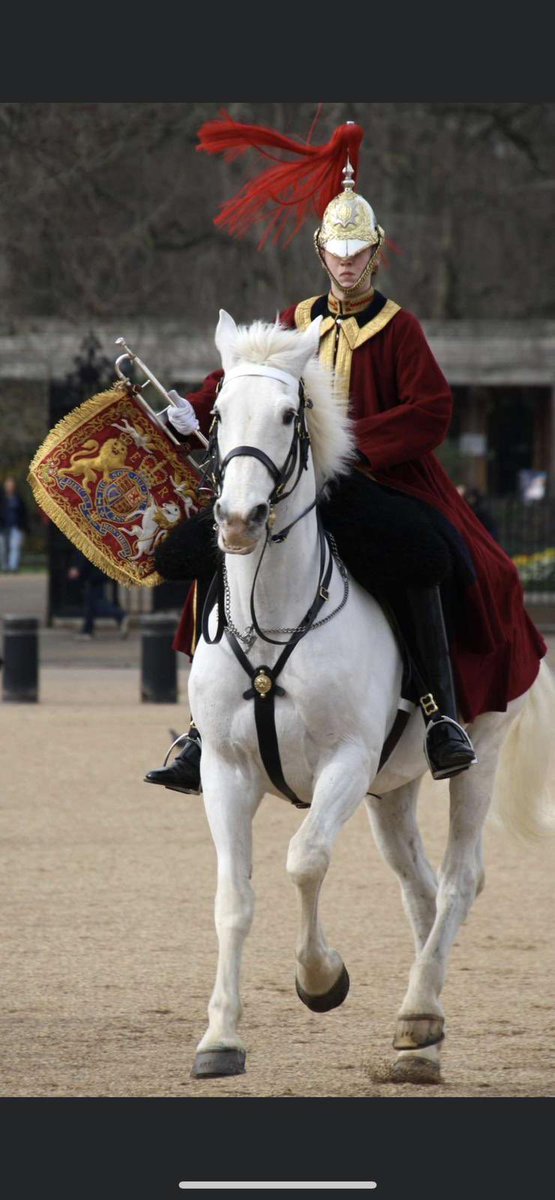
526, 530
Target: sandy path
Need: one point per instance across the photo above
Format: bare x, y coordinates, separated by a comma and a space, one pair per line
109, 950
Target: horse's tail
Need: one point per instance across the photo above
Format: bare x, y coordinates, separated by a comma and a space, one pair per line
524, 790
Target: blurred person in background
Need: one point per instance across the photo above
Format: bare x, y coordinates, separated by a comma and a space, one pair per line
14, 525
95, 602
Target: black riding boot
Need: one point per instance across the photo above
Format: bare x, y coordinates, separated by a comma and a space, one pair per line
447, 747
183, 774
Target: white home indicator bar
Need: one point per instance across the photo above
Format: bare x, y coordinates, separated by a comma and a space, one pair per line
219, 1185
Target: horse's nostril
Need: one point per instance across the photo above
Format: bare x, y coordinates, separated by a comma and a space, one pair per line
217, 510
258, 513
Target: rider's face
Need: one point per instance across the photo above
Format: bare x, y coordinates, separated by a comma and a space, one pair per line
346, 271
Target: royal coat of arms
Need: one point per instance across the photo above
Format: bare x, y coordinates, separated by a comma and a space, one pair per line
115, 481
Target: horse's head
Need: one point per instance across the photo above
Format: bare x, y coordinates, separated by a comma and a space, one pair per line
260, 438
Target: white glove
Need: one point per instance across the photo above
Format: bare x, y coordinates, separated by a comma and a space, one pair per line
183, 416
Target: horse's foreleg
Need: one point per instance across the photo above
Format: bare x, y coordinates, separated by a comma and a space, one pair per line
230, 809
421, 1018
322, 981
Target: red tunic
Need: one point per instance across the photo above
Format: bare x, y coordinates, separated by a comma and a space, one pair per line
401, 405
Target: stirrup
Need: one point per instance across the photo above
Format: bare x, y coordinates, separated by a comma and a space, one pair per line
448, 772
180, 741
183, 774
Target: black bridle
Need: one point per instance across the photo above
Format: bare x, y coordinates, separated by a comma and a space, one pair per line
215, 467
264, 686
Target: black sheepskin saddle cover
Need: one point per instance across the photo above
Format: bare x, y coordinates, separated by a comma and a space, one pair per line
385, 539
189, 551
388, 541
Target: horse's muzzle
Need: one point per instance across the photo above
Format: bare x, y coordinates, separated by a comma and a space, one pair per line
234, 548
239, 535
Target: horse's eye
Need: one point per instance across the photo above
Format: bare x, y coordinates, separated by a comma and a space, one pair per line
289, 416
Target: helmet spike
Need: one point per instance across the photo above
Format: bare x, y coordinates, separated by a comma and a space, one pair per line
348, 182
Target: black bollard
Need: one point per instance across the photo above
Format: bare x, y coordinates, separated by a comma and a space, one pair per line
21, 660
158, 660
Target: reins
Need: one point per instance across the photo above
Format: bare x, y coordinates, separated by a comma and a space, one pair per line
264, 686
214, 469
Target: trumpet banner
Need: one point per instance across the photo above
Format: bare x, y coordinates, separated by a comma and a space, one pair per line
115, 483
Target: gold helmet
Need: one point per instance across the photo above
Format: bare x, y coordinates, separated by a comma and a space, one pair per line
348, 226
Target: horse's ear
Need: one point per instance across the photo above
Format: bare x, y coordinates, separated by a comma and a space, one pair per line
225, 338
313, 335
310, 341
305, 347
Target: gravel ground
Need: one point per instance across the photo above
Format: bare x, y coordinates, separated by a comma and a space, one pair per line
109, 950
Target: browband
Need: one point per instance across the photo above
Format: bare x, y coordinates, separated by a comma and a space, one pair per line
270, 372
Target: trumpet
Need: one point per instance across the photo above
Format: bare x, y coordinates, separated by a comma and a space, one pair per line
150, 378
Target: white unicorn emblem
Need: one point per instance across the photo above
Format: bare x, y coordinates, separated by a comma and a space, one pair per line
156, 520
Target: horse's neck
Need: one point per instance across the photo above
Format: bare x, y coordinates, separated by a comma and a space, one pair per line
287, 580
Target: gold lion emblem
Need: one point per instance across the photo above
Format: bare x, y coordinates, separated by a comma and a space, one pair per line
100, 461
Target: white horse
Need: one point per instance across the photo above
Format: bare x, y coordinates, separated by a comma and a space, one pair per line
341, 689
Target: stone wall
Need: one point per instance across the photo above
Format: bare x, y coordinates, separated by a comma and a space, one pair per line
470, 352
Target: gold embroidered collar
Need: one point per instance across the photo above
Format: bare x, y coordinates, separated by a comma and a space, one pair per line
354, 333
340, 336
348, 307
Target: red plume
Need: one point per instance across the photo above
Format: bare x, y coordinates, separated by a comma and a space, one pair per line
283, 194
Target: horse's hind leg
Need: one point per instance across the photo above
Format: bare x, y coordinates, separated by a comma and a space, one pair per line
230, 809
421, 1018
397, 836
322, 981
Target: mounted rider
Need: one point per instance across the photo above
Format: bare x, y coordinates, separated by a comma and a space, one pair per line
401, 527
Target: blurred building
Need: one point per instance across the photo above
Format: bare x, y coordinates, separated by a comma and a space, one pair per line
501, 441
502, 374
503, 378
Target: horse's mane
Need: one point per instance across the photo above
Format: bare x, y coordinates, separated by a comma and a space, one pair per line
331, 431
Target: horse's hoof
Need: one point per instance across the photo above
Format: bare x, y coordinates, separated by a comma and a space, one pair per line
327, 1000
415, 1070
416, 1032
209, 1064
